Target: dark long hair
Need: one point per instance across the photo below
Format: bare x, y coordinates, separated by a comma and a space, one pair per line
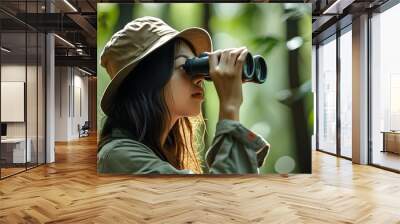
140, 109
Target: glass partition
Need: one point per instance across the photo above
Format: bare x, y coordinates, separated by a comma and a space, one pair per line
14, 144
22, 89
346, 93
327, 96
385, 89
31, 97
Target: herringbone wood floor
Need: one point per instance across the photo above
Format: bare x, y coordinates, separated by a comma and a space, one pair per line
69, 191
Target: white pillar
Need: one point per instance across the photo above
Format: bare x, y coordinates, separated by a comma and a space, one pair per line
50, 93
360, 90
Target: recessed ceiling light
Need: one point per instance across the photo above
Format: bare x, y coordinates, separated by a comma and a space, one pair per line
5, 50
84, 71
64, 40
337, 7
70, 5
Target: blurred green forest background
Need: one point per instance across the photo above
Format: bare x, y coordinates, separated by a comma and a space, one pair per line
281, 109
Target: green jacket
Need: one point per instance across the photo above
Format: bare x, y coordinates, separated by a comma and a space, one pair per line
235, 149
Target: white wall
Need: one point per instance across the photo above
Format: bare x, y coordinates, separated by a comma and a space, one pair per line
80, 84
16, 73
34, 124
70, 83
12, 73
61, 103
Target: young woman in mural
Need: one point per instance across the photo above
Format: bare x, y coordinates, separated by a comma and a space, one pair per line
153, 107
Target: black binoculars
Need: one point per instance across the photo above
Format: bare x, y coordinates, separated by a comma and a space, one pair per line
254, 68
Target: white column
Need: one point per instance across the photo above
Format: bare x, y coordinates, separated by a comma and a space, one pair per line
50, 93
360, 90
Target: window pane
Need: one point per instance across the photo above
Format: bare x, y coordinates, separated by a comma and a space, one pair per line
385, 84
31, 97
327, 97
345, 94
15, 150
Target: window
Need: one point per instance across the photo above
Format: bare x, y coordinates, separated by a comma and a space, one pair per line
327, 96
385, 89
346, 93
22, 102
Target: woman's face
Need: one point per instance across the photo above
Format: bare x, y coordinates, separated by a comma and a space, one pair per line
184, 95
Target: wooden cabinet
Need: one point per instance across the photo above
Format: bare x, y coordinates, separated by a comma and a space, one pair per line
391, 142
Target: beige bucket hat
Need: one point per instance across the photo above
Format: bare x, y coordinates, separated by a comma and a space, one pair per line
135, 41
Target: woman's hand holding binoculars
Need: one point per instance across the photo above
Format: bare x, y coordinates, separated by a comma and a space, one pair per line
228, 69
225, 69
